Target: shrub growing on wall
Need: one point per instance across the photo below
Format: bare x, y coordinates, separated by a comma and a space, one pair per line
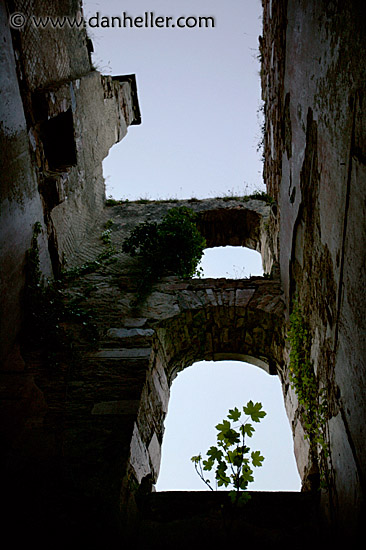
172, 247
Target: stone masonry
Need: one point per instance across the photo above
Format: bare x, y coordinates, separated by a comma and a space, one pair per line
83, 422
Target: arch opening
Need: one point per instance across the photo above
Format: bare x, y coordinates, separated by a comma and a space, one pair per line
200, 398
243, 226
231, 262
202, 320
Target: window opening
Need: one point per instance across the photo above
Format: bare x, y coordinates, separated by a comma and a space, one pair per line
231, 262
59, 141
201, 397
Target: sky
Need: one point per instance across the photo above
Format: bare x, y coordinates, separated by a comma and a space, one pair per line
199, 93
199, 96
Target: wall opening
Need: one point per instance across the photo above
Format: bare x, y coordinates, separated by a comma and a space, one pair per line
201, 396
231, 262
59, 141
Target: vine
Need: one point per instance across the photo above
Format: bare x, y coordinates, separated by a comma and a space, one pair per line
105, 257
311, 398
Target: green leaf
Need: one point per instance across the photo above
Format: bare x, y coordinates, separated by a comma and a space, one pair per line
196, 459
243, 484
237, 459
222, 480
231, 437
247, 429
246, 477
243, 499
254, 411
239, 498
214, 453
234, 414
257, 458
224, 426
221, 468
208, 464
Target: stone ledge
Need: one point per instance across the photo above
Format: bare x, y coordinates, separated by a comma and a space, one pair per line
125, 353
116, 407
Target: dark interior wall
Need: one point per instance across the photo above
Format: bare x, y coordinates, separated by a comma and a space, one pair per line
313, 87
72, 431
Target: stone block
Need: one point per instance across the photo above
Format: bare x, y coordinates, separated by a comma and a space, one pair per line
139, 457
155, 455
124, 353
125, 407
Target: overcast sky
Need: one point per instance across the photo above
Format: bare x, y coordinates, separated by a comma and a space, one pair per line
199, 95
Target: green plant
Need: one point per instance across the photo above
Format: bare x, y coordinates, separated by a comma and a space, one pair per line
114, 202
232, 456
311, 398
106, 234
263, 196
47, 310
173, 246
105, 257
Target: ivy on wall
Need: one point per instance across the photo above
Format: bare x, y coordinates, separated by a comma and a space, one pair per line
312, 399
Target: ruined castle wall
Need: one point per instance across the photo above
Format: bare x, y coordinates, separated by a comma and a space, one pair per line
102, 111
60, 118
312, 49
84, 434
21, 205
118, 390
96, 423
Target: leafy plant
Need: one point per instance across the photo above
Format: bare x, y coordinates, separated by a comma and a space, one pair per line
106, 234
114, 202
47, 309
173, 246
312, 399
105, 257
231, 457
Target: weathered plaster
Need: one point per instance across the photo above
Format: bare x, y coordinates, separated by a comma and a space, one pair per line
84, 436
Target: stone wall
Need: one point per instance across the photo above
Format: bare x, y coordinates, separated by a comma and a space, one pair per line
60, 118
84, 425
314, 86
104, 419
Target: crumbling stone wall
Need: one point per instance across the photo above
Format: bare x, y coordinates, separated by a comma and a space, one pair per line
48, 92
111, 424
314, 86
60, 118
208, 319
83, 434
272, 53
100, 415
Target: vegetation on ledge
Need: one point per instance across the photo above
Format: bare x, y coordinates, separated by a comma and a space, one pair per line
173, 246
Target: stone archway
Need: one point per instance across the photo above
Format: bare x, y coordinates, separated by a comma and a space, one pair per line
200, 397
208, 319
105, 410
117, 394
